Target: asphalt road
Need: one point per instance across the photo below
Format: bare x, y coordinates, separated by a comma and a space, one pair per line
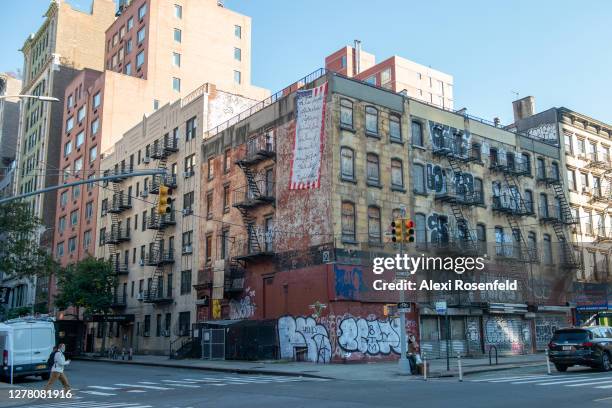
106, 385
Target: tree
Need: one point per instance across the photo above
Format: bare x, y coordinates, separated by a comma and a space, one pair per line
88, 284
21, 255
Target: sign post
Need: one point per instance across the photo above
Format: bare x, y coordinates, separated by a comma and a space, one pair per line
404, 363
442, 309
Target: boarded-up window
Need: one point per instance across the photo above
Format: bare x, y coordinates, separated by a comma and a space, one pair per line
347, 160
374, 233
348, 221
397, 174
373, 169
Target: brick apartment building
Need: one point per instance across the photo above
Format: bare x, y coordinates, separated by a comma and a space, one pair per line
302, 259
67, 41
155, 52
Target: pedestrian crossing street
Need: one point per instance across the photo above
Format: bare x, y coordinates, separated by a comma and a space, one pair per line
571, 380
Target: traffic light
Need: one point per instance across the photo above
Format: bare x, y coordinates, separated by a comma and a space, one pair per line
164, 206
396, 230
409, 235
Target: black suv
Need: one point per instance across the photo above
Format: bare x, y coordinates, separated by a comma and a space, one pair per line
587, 346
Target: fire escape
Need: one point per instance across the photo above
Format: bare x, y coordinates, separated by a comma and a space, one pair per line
158, 256
258, 191
559, 216
601, 192
456, 192
118, 233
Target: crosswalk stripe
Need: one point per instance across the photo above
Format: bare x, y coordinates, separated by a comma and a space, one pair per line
100, 387
106, 394
147, 382
575, 380
495, 379
604, 386
151, 387
551, 378
591, 383
135, 391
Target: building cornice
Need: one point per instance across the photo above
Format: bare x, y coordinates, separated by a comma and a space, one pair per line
587, 121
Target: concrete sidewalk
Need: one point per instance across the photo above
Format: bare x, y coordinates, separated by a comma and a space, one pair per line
353, 371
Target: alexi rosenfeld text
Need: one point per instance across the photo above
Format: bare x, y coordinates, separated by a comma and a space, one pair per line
406, 265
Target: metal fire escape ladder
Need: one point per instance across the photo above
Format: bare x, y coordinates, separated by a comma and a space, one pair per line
511, 217
567, 218
155, 253
249, 221
462, 222
112, 246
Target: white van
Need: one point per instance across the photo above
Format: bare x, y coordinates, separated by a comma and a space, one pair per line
26, 344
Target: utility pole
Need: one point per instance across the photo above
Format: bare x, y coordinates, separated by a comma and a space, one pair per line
402, 231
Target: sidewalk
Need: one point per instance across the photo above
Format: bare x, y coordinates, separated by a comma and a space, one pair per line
5, 401
353, 371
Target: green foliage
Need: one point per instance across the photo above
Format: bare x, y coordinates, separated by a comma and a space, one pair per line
88, 284
21, 256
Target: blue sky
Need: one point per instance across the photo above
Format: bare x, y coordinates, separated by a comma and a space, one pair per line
556, 50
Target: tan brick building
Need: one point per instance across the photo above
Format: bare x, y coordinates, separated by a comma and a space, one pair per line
304, 257
156, 257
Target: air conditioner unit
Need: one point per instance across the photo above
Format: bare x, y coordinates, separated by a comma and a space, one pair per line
144, 194
187, 174
142, 262
146, 160
187, 249
140, 296
187, 211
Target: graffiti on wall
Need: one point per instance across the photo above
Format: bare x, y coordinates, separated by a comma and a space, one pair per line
348, 281
340, 336
545, 131
545, 327
456, 141
436, 178
437, 225
303, 333
243, 308
369, 336
507, 333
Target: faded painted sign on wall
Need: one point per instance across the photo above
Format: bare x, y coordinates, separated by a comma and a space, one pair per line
309, 138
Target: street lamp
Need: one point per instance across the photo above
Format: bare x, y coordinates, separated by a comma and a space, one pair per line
41, 98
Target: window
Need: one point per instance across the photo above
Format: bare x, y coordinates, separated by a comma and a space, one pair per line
185, 282
61, 225
69, 124
176, 59
418, 178
178, 11
237, 77
543, 205
580, 144
237, 31
395, 131
140, 37
346, 113
227, 161
95, 126
67, 148
373, 169
532, 245
481, 232
478, 191
69, 101
89, 210
176, 84
209, 205
93, 153
130, 23
64, 198
208, 249
188, 201
371, 120
86, 239
529, 201
72, 245
347, 163
140, 59
397, 173
80, 139
417, 133
547, 249
374, 230
348, 222
103, 207
569, 148
178, 35
78, 166
526, 163
81, 114
541, 171
191, 127
237, 54
584, 181
76, 192
343, 61
59, 250
96, 100
128, 46
226, 198
211, 168
142, 11
190, 164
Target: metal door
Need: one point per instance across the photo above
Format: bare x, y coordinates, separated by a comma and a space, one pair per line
213, 344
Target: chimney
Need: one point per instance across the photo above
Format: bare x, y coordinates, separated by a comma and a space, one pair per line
523, 108
357, 67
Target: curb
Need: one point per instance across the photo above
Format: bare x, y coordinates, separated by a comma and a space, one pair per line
217, 369
487, 369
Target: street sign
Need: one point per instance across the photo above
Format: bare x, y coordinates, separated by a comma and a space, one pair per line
403, 307
441, 307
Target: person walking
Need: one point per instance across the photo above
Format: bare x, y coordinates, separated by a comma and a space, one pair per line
57, 370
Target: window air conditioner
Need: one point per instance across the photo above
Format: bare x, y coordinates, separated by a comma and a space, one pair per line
140, 296
146, 160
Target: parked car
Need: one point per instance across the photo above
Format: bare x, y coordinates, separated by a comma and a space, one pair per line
586, 346
26, 345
